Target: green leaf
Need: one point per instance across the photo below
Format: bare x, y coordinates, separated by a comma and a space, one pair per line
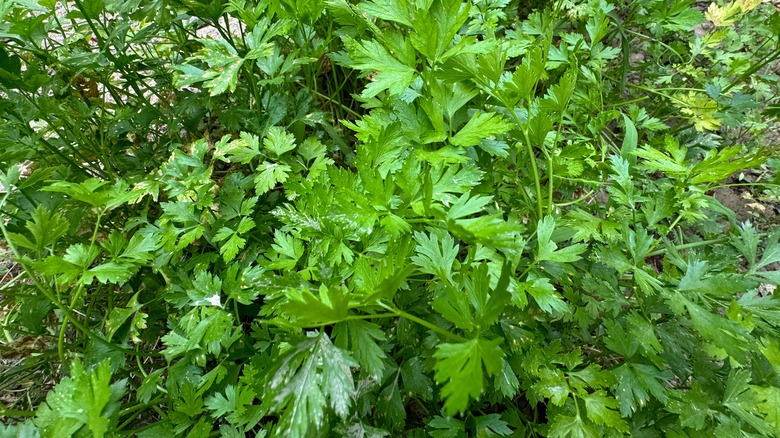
679, 16
630, 141
391, 74
491, 231
600, 408
480, 126
19, 430
141, 247
241, 284
491, 425
51, 266
241, 150
205, 290
719, 164
635, 383
719, 331
618, 340
360, 337
586, 225
185, 75
548, 249
234, 404
452, 97
289, 248
697, 278
435, 255
763, 309
119, 315
448, 427
540, 124
398, 11
741, 399
45, 227
278, 141
232, 242
448, 179
558, 95
390, 403
10, 66
553, 386
149, 385
269, 175
224, 65
415, 378
544, 294
110, 272
81, 255
460, 368
674, 165
506, 381
312, 375
436, 26
454, 306
309, 310
642, 331
771, 252
693, 407
468, 205
499, 296
563, 426
770, 406
94, 192
624, 190
86, 398
747, 242
597, 26
206, 327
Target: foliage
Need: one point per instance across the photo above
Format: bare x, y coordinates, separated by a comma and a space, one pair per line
373, 218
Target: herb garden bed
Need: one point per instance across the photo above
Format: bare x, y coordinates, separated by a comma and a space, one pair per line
389, 218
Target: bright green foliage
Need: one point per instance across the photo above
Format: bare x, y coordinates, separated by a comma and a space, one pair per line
446, 218
313, 375
480, 126
83, 403
460, 368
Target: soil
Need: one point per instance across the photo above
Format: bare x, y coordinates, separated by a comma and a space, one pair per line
763, 212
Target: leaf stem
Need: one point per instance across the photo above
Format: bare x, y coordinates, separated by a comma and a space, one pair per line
16, 413
689, 246
424, 323
534, 169
359, 317
137, 407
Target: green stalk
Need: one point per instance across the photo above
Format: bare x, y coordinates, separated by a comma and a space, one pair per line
689, 246
550, 169
424, 323
535, 171
532, 158
136, 408
15, 413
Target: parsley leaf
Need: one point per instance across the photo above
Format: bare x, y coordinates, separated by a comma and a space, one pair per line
460, 368
480, 126
312, 375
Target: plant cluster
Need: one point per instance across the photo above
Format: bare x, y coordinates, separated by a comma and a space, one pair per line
375, 218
